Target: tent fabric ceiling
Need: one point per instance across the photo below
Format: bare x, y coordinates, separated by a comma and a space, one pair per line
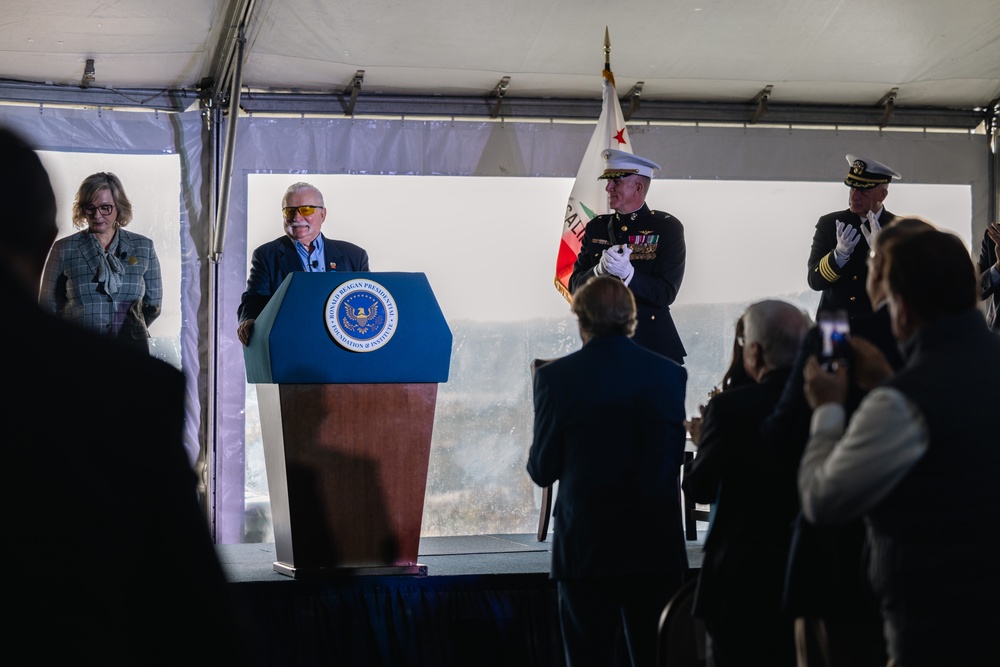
840, 52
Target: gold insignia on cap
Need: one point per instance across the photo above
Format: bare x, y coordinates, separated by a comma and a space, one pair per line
616, 173
858, 167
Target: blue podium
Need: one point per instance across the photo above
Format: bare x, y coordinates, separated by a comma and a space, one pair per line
346, 367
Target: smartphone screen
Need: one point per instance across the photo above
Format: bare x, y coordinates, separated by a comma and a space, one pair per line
836, 334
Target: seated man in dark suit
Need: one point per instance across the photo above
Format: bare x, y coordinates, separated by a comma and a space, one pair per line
110, 558
740, 583
302, 248
609, 427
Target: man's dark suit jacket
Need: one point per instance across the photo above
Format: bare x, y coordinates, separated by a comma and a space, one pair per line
274, 260
111, 558
609, 428
756, 500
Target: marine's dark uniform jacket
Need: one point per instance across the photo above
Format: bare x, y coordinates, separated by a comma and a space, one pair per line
843, 287
658, 256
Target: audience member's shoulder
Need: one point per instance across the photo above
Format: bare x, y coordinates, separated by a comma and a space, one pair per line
133, 362
660, 362
74, 352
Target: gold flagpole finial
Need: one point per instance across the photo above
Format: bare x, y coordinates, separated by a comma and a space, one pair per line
607, 49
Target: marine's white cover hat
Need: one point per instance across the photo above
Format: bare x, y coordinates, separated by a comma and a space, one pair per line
619, 163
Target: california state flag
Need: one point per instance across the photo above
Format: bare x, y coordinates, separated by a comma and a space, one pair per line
588, 197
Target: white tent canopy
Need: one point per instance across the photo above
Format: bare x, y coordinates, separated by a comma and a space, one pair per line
862, 70
920, 54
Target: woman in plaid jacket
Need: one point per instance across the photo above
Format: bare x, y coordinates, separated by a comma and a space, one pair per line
102, 277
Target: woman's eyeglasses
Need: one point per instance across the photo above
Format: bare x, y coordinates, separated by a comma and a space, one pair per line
304, 211
105, 209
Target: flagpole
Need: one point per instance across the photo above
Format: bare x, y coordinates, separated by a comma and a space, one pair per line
607, 49
588, 197
607, 57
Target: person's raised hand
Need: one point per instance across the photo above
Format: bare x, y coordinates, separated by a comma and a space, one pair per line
873, 229
693, 427
869, 367
823, 386
993, 231
847, 239
619, 263
602, 266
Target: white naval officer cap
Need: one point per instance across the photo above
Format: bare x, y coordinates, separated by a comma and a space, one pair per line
866, 173
619, 163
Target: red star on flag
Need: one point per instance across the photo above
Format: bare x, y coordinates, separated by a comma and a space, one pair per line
619, 138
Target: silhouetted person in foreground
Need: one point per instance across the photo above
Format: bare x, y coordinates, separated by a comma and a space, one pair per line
109, 557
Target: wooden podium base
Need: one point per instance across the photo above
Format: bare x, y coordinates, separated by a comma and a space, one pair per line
347, 473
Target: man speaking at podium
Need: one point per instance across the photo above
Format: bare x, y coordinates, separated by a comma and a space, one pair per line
302, 248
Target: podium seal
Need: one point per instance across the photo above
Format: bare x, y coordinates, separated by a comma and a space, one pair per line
361, 315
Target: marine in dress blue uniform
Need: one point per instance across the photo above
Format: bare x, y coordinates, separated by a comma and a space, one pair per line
651, 243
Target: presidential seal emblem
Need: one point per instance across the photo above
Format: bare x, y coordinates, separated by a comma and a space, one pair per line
361, 315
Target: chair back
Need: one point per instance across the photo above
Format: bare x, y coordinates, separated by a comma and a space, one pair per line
680, 640
546, 510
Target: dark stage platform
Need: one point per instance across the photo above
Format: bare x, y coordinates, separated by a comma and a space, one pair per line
485, 600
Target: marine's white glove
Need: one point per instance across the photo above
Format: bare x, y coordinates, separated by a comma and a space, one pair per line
619, 263
847, 238
873, 229
602, 266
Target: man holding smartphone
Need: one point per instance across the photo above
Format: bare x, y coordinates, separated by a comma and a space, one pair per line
835, 330
918, 459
